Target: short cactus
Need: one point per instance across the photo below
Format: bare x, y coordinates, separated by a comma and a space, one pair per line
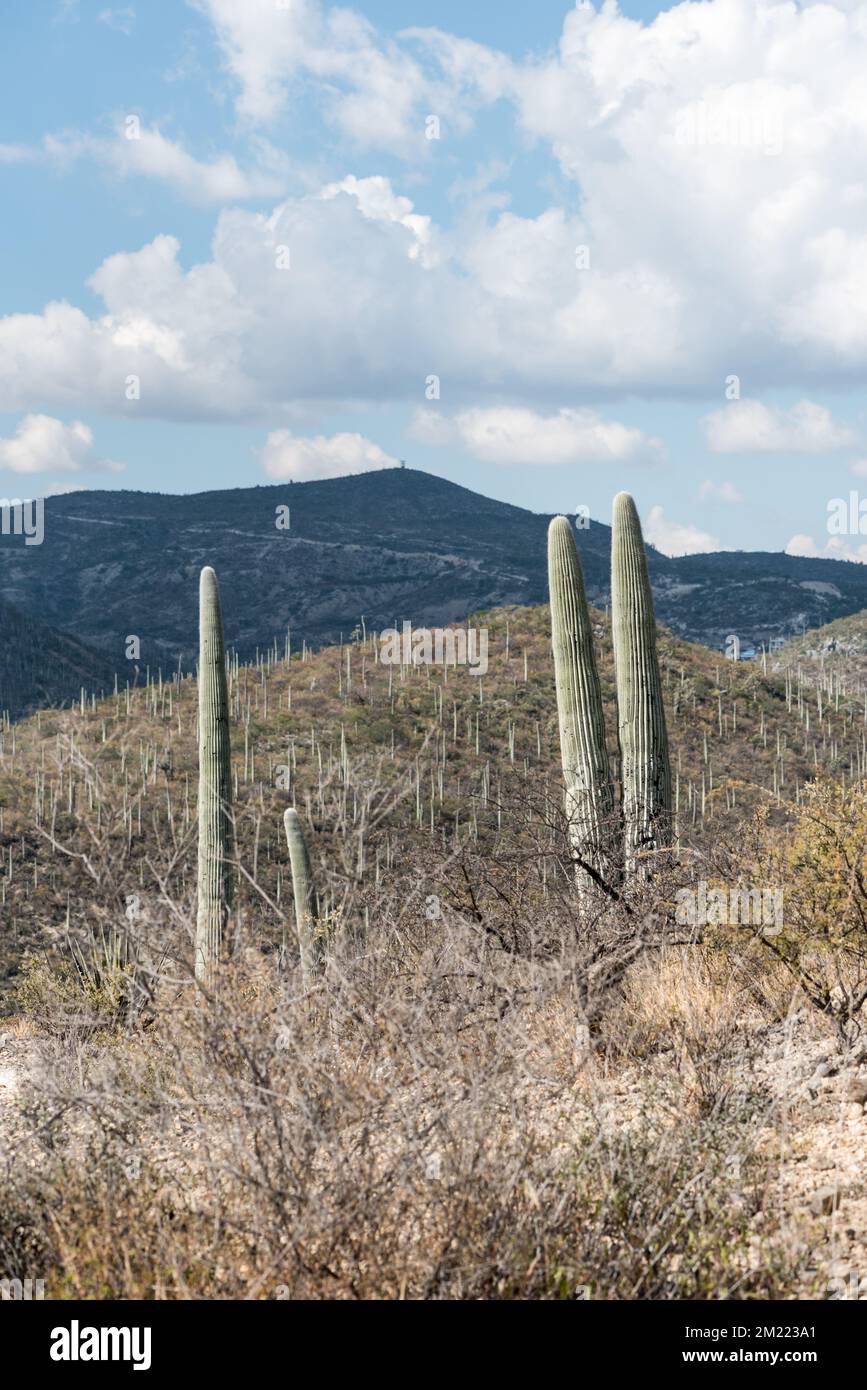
215, 882
590, 800
304, 893
645, 769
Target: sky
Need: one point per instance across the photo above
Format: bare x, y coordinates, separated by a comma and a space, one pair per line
547, 251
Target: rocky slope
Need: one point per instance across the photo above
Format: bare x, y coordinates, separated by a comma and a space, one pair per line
386, 546
40, 666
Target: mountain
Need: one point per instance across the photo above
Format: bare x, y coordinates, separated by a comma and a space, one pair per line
40, 666
385, 546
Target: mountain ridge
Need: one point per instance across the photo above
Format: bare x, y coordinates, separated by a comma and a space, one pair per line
388, 545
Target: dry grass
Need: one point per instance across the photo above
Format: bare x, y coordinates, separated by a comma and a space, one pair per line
433, 1119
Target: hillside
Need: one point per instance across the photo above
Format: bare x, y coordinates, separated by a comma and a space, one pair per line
440, 1115
339, 719
41, 666
383, 546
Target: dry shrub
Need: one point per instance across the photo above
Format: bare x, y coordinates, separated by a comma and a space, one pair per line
818, 858
415, 1125
697, 1006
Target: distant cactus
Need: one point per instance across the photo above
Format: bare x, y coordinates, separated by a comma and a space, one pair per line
304, 893
590, 800
645, 769
215, 883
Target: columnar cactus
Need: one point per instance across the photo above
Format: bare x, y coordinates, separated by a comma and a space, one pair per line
215, 883
590, 799
304, 892
645, 770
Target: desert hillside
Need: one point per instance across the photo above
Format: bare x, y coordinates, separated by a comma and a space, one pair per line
491, 1092
314, 556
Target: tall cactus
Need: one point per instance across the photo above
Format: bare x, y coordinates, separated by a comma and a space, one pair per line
304, 892
645, 768
215, 883
590, 801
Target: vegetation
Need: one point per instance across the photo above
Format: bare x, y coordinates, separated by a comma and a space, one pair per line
486, 1086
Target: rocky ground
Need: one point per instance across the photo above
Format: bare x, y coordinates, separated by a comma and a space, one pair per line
813, 1138
821, 1185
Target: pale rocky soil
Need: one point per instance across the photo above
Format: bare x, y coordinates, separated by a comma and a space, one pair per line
17, 1062
814, 1139
822, 1175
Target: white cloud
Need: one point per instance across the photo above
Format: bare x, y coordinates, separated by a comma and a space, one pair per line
219, 180
835, 548
720, 200
750, 427
719, 492
42, 444
56, 489
288, 456
373, 303
717, 160
377, 201
674, 538
18, 154
514, 435
357, 314
122, 19
139, 150
372, 89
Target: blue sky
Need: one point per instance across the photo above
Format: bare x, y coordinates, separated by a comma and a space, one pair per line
631, 256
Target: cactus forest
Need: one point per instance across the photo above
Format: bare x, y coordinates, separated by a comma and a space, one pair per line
433, 670
326, 913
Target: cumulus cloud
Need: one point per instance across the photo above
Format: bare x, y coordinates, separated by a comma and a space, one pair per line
834, 548
42, 443
514, 435
717, 181
377, 201
675, 538
722, 220
302, 459
719, 492
750, 427
373, 89
355, 310
56, 489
